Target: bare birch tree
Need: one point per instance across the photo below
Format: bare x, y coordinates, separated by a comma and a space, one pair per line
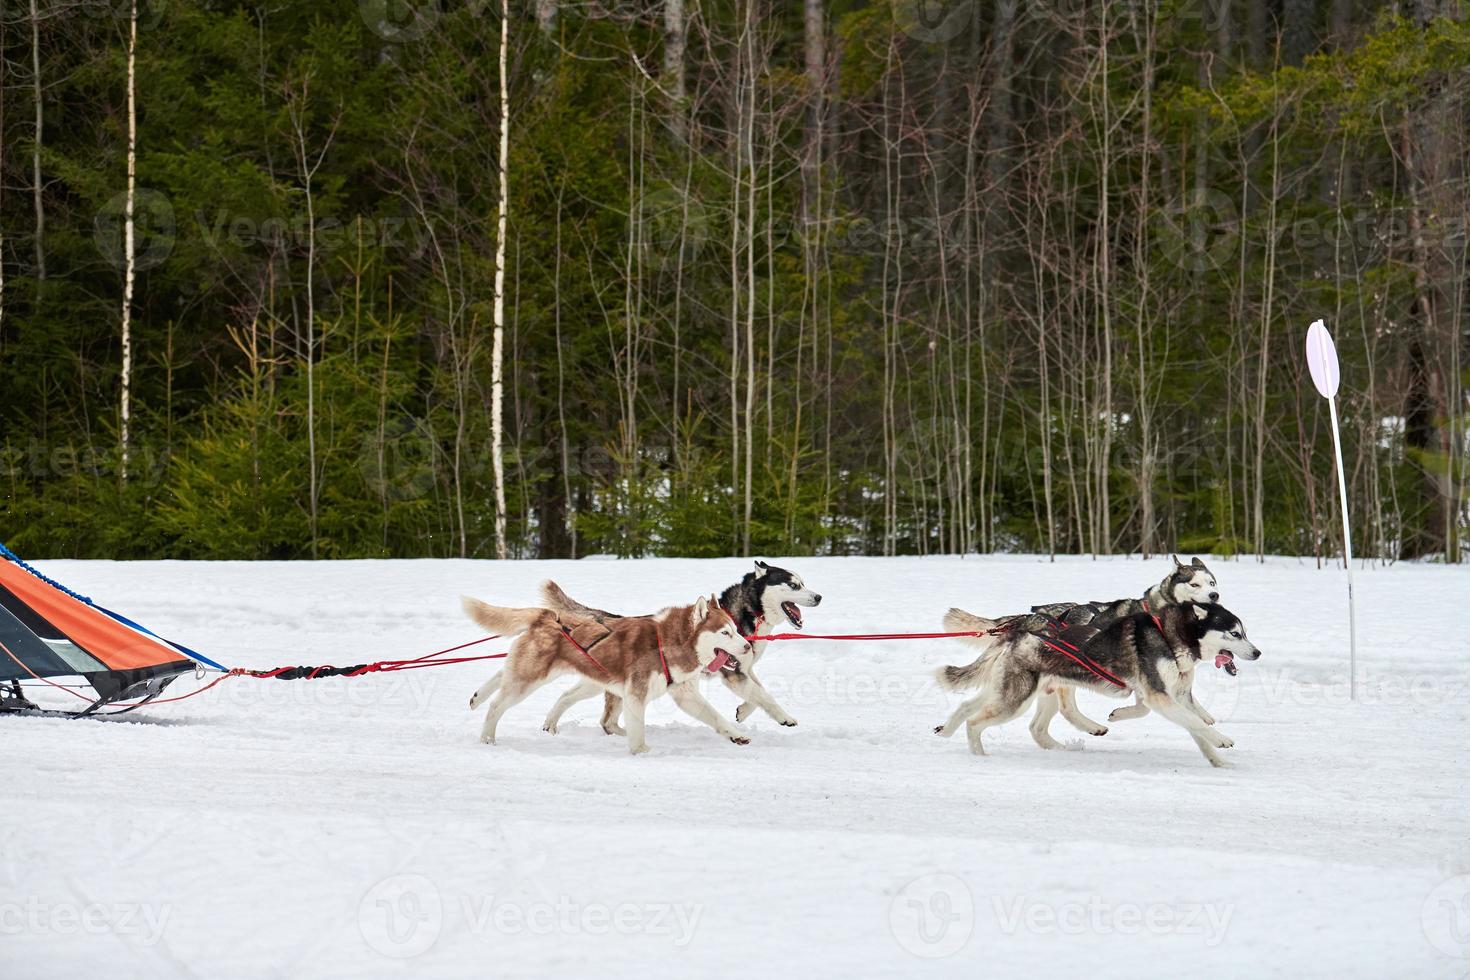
129, 258
497, 354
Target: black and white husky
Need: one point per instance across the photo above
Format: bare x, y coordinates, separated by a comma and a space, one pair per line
760, 603
1191, 582
1152, 655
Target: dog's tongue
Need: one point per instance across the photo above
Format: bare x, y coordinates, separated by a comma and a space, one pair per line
1228, 662
719, 662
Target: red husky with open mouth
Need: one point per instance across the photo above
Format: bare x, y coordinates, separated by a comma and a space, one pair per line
637, 658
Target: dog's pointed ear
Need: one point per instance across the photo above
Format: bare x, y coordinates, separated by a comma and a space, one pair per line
1200, 612
1177, 562
1197, 563
701, 609
761, 568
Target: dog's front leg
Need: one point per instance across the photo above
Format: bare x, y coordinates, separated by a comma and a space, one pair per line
1183, 692
1199, 709
748, 686
1135, 710
633, 708
692, 703
1207, 738
1187, 697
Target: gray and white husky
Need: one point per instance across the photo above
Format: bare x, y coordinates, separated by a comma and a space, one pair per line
1152, 655
1192, 582
760, 603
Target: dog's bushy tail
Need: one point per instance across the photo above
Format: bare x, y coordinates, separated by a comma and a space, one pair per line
973, 674
503, 620
556, 599
959, 621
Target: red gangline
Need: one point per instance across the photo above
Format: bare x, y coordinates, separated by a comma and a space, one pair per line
868, 636
381, 666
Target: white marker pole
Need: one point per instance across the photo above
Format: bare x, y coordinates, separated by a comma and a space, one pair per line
1322, 362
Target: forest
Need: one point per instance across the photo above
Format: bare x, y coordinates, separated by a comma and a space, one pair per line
544, 278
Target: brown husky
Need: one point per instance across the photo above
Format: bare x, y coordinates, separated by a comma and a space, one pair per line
637, 658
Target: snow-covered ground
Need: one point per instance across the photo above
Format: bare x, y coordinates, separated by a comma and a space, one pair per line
353, 828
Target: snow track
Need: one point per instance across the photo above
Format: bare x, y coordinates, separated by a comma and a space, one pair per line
357, 827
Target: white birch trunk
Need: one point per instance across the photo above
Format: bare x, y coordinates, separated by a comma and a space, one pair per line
497, 385
129, 269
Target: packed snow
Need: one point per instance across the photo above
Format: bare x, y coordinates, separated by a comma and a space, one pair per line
357, 827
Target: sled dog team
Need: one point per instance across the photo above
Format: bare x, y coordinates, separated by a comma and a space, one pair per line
1148, 647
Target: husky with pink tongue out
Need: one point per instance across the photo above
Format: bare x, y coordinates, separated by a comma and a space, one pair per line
1151, 656
638, 658
761, 603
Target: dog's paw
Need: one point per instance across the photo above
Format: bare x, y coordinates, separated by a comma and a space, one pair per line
1220, 763
637, 749
550, 726
939, 730
618, 730
789, 722
1225, 742
488, 739
1207, 718
739, 739
1099, 730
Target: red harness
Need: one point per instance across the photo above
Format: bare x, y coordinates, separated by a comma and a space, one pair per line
759, 621
1071, 652
1157, 622
588, 653
658, 638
